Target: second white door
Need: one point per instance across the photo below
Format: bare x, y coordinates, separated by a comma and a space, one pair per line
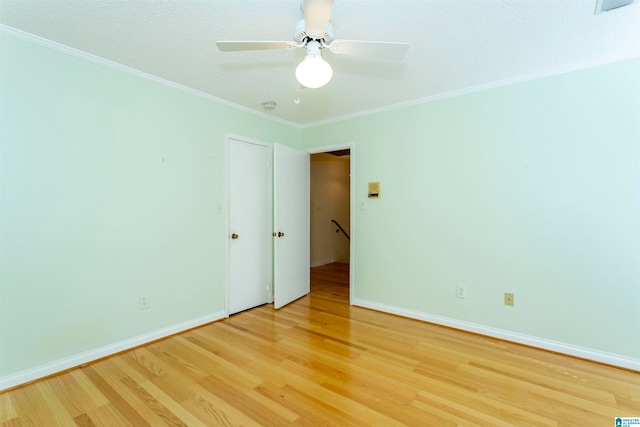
291, 224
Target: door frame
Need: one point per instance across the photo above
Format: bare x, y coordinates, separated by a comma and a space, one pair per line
226, 219
351, 147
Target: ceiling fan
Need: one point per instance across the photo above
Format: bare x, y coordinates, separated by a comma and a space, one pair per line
315, 33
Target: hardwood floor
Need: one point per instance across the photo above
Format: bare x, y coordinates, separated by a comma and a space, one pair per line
320, 362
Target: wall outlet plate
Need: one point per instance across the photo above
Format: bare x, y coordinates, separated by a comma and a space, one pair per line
509, 299
461, 291
144, 302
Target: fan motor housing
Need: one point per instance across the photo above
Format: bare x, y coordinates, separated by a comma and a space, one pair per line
302, 36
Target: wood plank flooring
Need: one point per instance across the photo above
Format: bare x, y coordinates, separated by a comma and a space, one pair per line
321, 362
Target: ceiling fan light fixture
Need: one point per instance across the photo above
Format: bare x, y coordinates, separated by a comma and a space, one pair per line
314, 33
313, 72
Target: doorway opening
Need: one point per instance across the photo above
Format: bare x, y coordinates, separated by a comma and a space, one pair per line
330, 223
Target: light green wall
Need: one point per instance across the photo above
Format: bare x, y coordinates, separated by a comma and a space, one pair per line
531, 188
110, 185
109, 190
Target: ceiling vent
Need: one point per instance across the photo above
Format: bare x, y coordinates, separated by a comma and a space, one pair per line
607, 5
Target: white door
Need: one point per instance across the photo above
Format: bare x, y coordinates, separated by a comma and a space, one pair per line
291, 224
249, 225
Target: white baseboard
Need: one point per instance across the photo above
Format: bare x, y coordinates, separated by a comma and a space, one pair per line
323, 262
546, 344
108, 350
60, 365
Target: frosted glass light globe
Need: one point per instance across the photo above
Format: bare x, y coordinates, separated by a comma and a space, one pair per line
313, 72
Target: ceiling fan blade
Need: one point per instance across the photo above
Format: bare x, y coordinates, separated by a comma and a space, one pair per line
236, 46
376, 50
316, 16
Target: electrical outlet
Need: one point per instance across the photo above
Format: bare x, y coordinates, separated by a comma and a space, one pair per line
461, 291
144, 302
508, 299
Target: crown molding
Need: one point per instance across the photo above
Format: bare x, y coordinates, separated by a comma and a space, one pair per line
5, 29
23, 35
471, 89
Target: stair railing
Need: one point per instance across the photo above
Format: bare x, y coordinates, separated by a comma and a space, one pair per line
340, 229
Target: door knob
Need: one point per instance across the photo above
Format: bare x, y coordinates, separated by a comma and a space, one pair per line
234, 236
280, 234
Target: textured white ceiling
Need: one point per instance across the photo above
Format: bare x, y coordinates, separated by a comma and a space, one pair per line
455, 45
